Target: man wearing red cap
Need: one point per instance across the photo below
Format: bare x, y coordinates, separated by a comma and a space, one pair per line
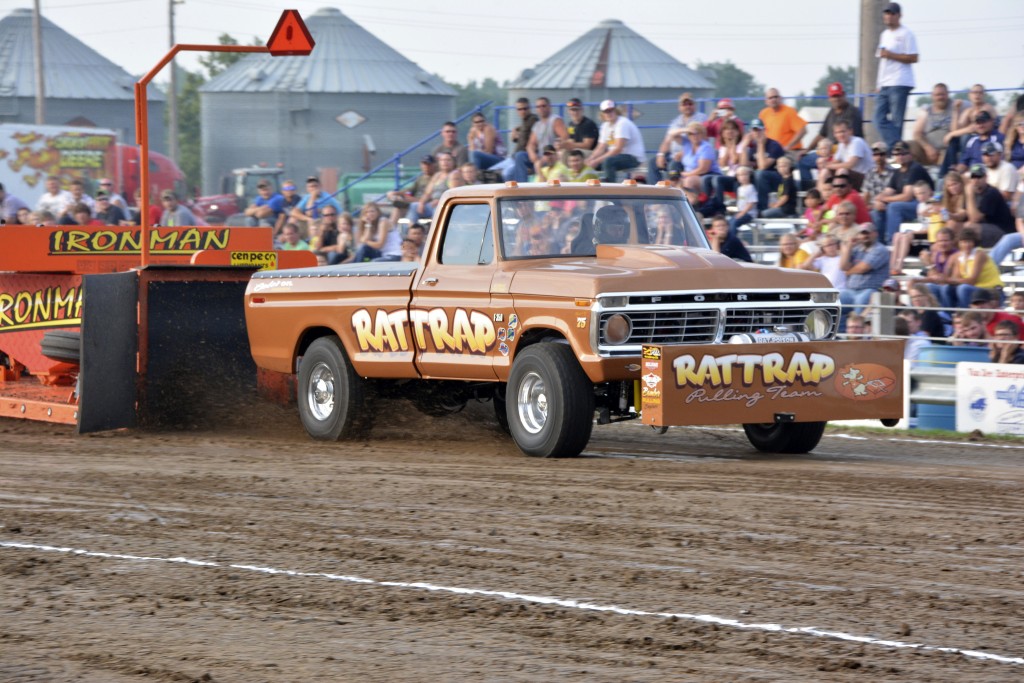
840, 110
781, 122
724, 112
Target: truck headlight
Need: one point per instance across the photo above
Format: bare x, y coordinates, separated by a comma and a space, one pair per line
617, 329
818, 324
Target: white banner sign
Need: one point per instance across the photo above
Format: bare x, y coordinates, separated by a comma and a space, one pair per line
990, 397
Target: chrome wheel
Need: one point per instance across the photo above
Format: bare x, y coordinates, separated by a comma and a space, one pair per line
532, 401
320, 395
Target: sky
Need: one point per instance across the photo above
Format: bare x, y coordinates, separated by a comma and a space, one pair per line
786, 45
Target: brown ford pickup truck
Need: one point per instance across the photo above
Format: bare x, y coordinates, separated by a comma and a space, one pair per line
567, 305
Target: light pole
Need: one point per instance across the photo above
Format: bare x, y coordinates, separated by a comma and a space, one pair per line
37, 38
172, 93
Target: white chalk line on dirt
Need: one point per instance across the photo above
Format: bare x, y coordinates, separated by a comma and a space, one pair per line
894, 439
535, 599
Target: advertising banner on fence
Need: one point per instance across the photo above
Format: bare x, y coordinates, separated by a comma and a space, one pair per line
755, 383
990, 398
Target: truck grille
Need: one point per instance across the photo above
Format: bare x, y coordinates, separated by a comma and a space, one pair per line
746, 320
670, 327
681, 325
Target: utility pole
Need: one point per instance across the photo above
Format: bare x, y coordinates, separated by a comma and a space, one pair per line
37, 38
172, 92
867, 67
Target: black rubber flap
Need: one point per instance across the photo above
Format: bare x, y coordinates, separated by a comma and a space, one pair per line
110, 339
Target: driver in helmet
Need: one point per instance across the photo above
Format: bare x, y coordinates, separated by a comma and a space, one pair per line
611, 225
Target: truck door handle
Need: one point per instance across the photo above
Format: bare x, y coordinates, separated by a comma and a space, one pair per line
430, 281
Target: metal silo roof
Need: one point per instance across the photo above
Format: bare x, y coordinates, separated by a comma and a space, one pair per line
611, 55
72, 69
347, 59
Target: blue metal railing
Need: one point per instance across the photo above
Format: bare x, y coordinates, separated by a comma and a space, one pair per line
396, 159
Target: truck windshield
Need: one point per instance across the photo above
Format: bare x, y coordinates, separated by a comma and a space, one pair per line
545, 228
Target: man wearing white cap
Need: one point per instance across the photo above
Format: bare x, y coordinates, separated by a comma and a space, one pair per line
619, 145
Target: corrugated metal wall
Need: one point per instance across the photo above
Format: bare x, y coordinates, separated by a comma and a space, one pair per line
301, 130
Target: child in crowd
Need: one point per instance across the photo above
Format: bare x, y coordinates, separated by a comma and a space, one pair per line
903, 240
746, 200
823, 176
827, 261
1017, 303
814, 213
785, 195
1005, 346
725, 243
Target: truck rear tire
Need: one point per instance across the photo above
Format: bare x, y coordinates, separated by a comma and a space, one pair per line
785, 437
332, 397
549, 402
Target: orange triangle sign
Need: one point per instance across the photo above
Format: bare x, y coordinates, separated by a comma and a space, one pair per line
290, 37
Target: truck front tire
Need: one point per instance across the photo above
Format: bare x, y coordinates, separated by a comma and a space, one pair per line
785, 437
332, 398
549, 402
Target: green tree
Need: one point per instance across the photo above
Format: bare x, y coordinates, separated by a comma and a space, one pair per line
189, 148
732, 81
217, 62
190, 158
473, 94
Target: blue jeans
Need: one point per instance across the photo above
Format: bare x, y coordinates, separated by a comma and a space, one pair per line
896, 213
1006, 244
890, 108
493, 162
619, 162
807, 165
366, 253
958, 296
718, 185
766, 182
736, 221
951, 156
661, 173
483, 160
414, 214
855, 298
523, 168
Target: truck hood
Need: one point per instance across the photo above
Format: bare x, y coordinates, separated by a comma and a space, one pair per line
650, 268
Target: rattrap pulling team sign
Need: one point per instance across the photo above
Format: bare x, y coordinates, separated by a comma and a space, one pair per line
745, 383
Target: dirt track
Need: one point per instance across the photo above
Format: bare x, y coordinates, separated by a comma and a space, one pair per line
887, 540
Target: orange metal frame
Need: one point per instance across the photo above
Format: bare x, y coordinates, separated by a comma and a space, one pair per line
142, 124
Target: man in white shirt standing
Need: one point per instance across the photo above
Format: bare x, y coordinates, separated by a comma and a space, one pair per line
619, 145
897, 50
